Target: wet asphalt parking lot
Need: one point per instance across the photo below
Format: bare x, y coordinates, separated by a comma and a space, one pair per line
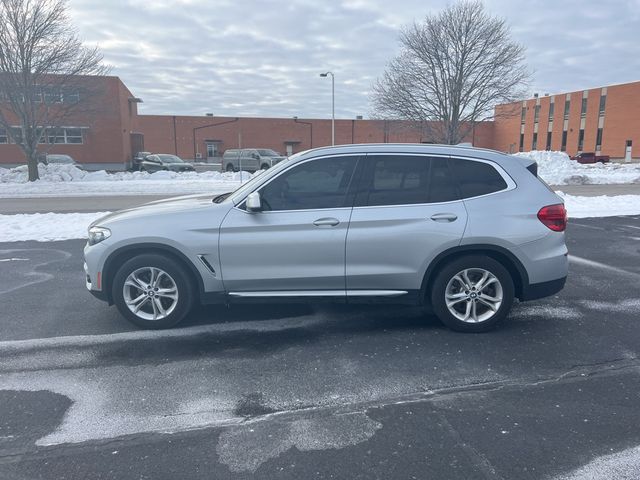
307, 392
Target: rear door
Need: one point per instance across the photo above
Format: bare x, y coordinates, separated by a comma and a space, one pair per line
406, 212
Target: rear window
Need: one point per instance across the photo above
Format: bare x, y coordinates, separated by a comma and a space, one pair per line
230, 153
476, 178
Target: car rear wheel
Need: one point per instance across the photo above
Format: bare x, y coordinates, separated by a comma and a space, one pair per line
230, 168
264, 166
472, 294
153, 291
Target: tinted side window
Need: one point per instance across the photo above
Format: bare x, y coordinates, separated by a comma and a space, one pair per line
322, 183
442, 186
407, 180
476, 178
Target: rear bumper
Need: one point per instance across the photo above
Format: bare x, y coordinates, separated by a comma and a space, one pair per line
535, 291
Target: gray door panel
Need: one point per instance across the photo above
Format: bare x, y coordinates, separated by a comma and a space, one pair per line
284, 250
390, 247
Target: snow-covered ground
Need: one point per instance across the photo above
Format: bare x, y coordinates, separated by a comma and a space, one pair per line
66, 180
602, 206
46, 227
556, 168
66, 226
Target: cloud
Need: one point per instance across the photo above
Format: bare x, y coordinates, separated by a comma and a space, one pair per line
263, 57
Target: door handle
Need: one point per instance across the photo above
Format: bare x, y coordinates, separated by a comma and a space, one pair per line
444, 217
326, 222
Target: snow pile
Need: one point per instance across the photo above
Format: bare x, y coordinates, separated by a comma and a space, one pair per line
68, 180
556, 168
46, 227
602, 206
70, 173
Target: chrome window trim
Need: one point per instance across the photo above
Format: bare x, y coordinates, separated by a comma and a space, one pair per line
511, 184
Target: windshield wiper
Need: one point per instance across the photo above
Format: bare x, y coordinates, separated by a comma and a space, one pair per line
221, 198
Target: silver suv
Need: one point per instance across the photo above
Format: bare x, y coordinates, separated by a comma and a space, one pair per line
250, 159
462, 230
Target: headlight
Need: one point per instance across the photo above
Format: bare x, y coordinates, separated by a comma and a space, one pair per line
98, 234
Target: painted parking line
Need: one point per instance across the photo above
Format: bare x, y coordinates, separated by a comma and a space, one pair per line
602, 266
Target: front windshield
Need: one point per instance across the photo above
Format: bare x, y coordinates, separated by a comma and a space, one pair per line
247, 187
268, 153
170, 159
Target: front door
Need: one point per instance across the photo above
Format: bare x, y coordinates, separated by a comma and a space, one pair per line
212, 150
296, 244
405, 214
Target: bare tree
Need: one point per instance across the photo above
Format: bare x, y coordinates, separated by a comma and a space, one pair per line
452, 70
42, 62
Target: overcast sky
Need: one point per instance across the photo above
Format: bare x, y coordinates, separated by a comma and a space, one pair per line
263, 57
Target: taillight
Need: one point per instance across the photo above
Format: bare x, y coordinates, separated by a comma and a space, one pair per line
554, 217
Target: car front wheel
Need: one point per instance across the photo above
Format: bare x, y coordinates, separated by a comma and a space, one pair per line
153, 291
472, 294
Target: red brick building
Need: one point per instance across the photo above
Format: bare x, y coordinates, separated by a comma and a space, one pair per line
208, 137
99, 133
110, 131
604, 120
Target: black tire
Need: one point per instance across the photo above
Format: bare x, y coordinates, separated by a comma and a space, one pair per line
178, 275
449, 271
230, 168
264, 166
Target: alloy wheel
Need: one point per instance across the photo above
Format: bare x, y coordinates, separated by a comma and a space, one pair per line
150, 293
474, 295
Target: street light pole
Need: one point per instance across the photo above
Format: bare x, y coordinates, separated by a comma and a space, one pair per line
333, 106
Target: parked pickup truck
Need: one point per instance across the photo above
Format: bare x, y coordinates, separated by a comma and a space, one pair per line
590, 157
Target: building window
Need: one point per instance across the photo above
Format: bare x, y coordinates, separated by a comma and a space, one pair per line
583, 109
534, 143
71, 96
563, 148
548, 146
523, 115
65, 135
73, 135
16, 134
551, 110
52, 95
4, 138
567, 107
536, 114
522, 142
599, 139
603, 104
581, 139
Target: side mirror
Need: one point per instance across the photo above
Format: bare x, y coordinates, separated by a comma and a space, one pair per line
253, 202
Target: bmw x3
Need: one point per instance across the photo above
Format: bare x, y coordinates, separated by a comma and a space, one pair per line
462, 230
